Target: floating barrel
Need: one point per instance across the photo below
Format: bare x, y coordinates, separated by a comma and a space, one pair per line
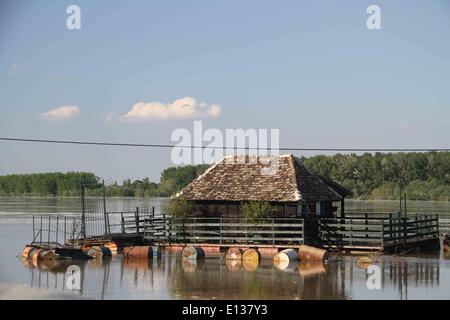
311, 268
233, 254
364, 262
33, 253
112, 246
310, 253
447, 243
251, 255
137, 264
41, 255
85, 248
192, 253
233, 265
97, 252
138, 252
291, 266
26, 251
250, 265
26, 262
189, 265
282, 259
46, 255
47, 264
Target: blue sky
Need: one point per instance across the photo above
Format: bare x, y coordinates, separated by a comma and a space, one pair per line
309, 68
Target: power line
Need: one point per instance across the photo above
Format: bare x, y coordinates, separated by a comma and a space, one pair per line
143, 145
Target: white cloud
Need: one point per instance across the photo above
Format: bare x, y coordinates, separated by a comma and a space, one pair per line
185, 108
64, 112
405, 125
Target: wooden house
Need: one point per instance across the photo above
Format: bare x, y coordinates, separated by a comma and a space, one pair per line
292, 189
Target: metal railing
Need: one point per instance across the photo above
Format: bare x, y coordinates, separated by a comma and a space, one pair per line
55, 230
129, 222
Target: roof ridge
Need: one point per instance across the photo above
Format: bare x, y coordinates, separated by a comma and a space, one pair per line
179, 193
319, 177
292, 161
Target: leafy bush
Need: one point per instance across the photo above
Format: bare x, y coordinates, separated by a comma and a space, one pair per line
179, 208
255, 210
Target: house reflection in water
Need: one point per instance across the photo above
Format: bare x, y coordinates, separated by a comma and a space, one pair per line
168, 277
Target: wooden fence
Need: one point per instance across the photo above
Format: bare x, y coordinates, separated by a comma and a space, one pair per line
225, 231
444, 224
377, 232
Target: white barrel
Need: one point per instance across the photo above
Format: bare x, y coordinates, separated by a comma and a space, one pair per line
283, 258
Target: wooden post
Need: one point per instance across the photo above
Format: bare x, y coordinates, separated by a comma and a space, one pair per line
404, 230
122, 222
390, 226
183, 229
83, 213
404, 202
195, 231
351, 232
416, 228
273, 233
166, 228
48, 231
342, 222
136, 218
436, 225
105, 214
57, 228
220, 230
367, 225
65, 230
246, 231
34, 231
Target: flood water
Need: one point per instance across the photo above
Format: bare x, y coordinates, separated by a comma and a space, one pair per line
407, 276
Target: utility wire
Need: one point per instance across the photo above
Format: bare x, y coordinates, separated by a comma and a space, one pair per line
99, 143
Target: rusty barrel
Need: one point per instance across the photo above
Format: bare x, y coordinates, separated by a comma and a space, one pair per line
98, 252
112, 246
138, 252
233, 254
137, 264
26, 252
192, 253
311, 253
310, 268
251, 255
41, 255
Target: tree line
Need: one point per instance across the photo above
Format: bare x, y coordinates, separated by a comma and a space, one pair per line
424, 176
172, 180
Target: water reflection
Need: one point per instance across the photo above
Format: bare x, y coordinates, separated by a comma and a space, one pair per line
168, 277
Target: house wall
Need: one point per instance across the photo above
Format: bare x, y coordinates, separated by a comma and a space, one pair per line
319, 208
233, 209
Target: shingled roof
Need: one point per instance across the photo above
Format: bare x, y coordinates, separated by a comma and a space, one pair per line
244, 181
